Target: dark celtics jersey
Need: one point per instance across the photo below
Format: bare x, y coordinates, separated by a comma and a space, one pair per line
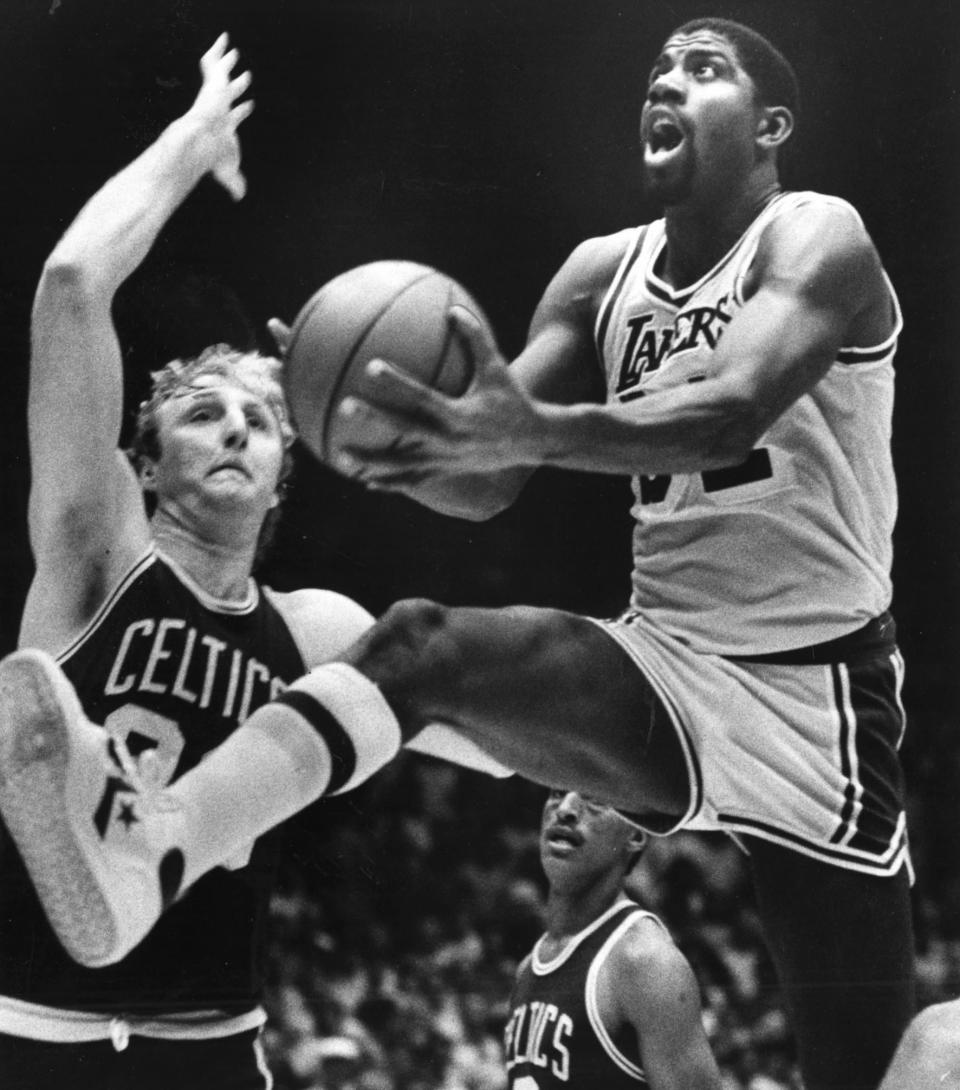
166, 667
555, 1037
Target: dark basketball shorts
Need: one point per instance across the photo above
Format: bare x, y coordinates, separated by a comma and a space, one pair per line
233, 1062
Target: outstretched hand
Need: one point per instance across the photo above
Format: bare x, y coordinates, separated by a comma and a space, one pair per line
492, 426
218, 114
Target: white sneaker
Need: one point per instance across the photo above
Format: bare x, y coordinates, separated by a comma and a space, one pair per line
99, 845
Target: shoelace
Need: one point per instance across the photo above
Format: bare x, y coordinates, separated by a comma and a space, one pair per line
145, 775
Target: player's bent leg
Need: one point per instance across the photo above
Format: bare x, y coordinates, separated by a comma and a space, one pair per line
842, 943
545, 692
101, 880
108, 850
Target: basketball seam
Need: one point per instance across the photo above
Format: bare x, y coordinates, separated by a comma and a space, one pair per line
351, 355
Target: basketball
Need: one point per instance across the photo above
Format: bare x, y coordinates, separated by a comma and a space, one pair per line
391, 310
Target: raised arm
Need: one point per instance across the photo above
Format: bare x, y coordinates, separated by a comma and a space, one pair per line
86, 513
814, 282
651, 987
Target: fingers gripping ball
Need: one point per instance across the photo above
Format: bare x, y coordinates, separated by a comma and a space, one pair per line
391, 310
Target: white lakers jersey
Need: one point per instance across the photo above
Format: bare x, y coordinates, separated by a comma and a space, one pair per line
793, 547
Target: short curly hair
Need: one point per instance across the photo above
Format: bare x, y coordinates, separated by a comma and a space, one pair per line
257, 373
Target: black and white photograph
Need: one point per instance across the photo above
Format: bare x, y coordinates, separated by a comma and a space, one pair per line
481, 545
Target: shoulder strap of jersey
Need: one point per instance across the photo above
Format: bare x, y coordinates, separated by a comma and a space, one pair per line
634, 248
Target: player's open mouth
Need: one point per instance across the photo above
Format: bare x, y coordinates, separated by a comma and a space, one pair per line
563, 837
664, 136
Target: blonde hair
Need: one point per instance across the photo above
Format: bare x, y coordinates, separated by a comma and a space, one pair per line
261, 375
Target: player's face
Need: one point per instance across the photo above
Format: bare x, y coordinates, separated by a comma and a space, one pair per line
580, 838
220, 443
699, 120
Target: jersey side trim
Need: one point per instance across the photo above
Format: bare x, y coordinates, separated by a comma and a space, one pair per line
136, 569
592, 1003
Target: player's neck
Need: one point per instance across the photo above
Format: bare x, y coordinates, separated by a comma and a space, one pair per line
220, 568
568, 913
699, 235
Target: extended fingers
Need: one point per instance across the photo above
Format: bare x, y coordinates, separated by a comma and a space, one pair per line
389, 387
215, 53
217, 64
474, 334
241, 112
239, 84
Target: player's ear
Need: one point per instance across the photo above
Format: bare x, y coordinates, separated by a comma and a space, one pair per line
636, 845
148, 475
774, 127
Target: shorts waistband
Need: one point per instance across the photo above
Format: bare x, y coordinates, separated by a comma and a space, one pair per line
876, 636
19, 1018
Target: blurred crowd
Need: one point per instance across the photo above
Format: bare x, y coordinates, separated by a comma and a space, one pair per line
405, 908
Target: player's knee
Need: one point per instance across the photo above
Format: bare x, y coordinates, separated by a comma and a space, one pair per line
413, 638
413, 621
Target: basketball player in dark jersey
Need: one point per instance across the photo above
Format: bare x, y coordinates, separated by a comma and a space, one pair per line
605, 998
156, 628
736, 359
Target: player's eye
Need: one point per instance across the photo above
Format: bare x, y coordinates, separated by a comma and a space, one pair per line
705, 69
593, 805
199, 415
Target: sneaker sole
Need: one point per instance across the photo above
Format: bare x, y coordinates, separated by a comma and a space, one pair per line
34, 768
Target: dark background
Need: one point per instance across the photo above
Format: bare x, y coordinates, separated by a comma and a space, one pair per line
487, 139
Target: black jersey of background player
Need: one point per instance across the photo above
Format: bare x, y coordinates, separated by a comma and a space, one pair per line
550, 1039
166, 667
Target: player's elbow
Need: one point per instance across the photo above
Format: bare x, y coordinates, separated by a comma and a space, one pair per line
67, 281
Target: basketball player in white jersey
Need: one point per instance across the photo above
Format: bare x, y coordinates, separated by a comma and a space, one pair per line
735, 359
605, 998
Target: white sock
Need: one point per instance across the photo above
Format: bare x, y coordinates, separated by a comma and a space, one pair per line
330, 731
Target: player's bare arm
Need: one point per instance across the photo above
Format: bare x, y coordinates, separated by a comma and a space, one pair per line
812, 278
86, 512
465, 446
650, 986
928, 1057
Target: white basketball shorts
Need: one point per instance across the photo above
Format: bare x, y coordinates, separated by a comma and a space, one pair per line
802, 755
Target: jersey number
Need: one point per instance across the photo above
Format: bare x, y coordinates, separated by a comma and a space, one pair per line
756, 467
